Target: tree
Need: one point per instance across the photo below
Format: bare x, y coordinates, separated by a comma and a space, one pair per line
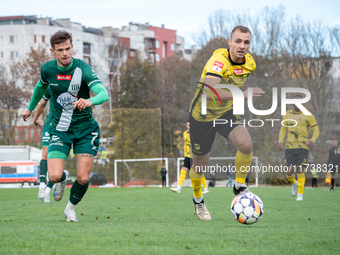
138, 81
28, 69
173, 95
11, 98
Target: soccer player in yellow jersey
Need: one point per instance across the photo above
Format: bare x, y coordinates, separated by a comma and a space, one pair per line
226, 66
297, 146
187, 163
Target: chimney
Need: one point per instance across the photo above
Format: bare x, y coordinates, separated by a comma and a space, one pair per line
162, 25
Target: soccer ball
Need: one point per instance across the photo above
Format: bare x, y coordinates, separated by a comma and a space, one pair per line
247, 208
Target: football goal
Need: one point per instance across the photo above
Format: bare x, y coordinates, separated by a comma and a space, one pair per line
143, 172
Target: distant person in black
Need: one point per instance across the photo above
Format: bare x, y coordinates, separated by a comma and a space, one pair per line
334, 161
163, 174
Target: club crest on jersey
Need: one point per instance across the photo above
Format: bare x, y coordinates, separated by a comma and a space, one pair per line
238, 71
61, 77
75, 85
66, 100
217, 67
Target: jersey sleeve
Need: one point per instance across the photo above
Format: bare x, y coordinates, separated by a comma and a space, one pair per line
89, 75
312, 122
43, 79
216, 66
47, 94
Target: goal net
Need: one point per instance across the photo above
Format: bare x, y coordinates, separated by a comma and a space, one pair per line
217, 170
140, 172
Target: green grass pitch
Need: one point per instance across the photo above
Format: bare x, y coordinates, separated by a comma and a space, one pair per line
157, 221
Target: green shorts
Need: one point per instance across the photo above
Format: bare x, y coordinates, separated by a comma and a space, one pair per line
84, 141
46, 134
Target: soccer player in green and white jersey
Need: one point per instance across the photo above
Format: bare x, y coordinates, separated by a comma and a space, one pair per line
44, 192
70, 81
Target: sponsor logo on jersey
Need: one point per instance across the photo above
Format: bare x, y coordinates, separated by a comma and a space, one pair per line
297, 117
55, 138
61, 77
53, 84
66, 100
217, 67
238, 71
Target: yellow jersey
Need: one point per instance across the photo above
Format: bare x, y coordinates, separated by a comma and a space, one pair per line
298, 135
187, 144
220, 65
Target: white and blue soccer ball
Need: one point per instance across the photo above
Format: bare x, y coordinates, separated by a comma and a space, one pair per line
247, 208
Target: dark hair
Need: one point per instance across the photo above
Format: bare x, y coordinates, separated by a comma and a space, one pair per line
243, 29
59, 37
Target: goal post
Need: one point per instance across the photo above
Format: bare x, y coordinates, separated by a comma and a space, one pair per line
126, 165
212, 160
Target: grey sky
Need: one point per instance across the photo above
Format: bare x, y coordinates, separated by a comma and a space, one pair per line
183, 16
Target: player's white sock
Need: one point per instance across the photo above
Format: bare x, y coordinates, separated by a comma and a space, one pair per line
179, 188
198, 199
47, 191
42, 185
70, 206
238, 185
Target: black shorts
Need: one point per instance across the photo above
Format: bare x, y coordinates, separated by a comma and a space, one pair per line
202, 134
187, 162
296, 157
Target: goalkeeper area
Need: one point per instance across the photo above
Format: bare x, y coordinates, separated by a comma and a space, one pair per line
140, 172
146, 172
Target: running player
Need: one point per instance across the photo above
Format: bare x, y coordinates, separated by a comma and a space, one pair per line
70, 81
297, 146
334, 161
44, 191
226, 66
187, 163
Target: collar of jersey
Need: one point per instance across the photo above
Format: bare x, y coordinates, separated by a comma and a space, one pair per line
66, 68
233, 63
297, 112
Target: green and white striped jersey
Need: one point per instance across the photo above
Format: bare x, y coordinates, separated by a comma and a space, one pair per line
67, 85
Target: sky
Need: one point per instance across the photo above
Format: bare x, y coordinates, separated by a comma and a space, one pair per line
185, 16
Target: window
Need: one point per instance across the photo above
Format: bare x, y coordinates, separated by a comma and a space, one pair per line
1, 54
1, 39
173, 46
77, 45
39, 38
13, 39
92, 47
14, 54
165, 50
157, 57
157, 44
31, 134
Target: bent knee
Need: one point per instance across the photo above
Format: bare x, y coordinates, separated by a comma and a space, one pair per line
246, 147
82, 180
54, 178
